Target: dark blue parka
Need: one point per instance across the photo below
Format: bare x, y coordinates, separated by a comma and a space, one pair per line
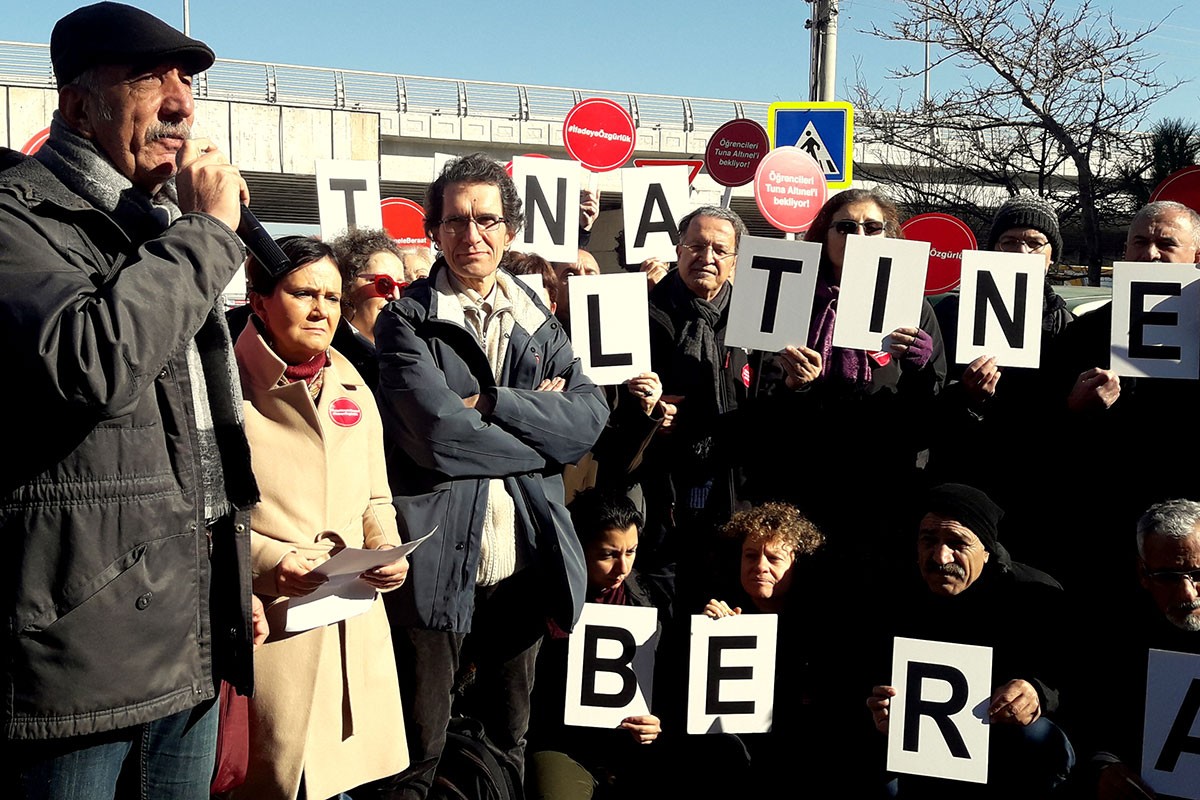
442, 454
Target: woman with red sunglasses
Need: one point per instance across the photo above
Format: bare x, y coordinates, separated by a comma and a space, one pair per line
373, 275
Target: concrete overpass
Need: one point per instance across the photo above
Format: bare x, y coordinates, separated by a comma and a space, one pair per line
276, 121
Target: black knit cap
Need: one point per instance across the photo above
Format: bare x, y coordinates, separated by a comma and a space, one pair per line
114, 33
1027, 211
969, 507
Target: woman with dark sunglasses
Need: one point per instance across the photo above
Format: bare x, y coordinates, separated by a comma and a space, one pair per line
865, 414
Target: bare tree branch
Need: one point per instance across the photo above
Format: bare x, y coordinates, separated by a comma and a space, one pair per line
1048, 100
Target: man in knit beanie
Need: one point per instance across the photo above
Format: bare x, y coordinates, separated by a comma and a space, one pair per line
1026, 223
972, 592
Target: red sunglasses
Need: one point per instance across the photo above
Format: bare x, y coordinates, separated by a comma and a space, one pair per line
382, 286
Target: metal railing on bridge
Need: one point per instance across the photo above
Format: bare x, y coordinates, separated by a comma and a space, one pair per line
284, 84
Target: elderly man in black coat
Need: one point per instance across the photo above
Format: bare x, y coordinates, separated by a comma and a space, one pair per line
971, 592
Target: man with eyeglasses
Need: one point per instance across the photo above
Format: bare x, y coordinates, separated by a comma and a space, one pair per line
1165, 617
984, 403
1110, 418
702, 379
483, 401
1161, 232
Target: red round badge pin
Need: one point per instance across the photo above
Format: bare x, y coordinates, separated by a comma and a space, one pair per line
345, 412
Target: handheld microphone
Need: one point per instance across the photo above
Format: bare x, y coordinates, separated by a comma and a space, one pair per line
260, 244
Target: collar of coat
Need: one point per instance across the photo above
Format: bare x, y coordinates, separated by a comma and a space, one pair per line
528, 310
31, 181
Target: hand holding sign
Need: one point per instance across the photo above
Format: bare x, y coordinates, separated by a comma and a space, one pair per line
979, 380
1095, 389
644, 728
647, 388
715, 609
1015, 703
880, 703
801, 366
912, 345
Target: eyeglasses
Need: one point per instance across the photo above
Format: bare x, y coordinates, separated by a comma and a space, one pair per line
869, 227
1012, 244
457, 226
699, 250
382, 286
1168, 577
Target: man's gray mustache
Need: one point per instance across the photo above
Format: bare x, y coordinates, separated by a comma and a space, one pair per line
954, 570
168, 130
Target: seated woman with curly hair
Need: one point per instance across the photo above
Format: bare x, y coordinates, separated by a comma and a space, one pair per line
780, 553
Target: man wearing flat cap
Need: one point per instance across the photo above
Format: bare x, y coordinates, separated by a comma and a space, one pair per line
970, 591
127, 586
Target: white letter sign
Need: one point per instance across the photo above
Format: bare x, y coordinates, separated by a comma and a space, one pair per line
610, 325
347, 196
1000, 308
653, 200
731, 675
938, 718
772, 305
610, 665
1171, 739
1156, 320
883, 282
549, 190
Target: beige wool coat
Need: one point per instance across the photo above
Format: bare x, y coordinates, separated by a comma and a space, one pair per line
327, 701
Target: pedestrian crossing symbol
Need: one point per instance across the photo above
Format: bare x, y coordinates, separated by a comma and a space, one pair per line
823, 130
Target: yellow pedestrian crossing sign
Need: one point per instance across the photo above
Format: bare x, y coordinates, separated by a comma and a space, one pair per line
824, 130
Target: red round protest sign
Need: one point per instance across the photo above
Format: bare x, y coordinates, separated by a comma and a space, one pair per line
404, 221
1182, 186
789, 188
734, 152
599, 134
947, 236
35, 142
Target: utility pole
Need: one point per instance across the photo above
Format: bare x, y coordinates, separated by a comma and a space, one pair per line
187, 19
823, 67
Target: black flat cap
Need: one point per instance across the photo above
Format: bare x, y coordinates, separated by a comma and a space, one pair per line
114, 33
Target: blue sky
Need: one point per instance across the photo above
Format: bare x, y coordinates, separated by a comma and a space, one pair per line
701, 48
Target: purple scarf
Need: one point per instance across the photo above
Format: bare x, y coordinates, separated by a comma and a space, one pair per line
851, 368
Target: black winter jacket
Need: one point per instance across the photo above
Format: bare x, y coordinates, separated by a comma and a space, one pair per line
116, 597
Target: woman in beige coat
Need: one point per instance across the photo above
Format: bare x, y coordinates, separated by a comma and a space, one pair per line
326, 713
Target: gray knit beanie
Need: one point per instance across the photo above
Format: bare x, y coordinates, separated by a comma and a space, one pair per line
1027, 211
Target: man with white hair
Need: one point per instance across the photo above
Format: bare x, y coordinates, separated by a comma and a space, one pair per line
1166, 618
1169, 559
